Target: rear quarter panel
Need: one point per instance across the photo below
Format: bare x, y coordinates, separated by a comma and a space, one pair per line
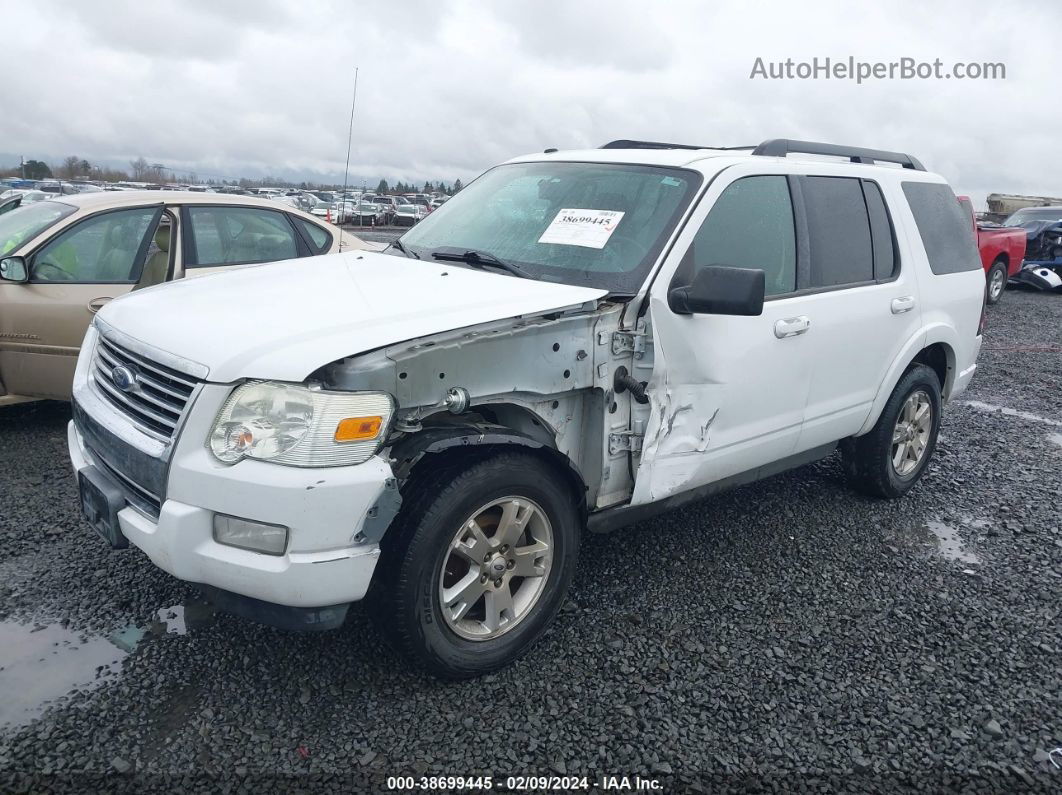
951, 305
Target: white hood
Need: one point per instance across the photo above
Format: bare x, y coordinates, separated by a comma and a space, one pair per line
284, 320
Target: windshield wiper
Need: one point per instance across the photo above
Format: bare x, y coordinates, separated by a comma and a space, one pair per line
479, 259
409, 253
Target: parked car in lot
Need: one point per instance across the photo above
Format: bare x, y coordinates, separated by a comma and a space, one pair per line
343, 212
1043, 246
370, 213
407, 214
576, 339
1002, 251
421, 201
64, 259
28, 196
9, 202
323, 211
389, 205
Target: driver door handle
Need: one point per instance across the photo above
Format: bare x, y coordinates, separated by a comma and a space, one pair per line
791, 326
96, 304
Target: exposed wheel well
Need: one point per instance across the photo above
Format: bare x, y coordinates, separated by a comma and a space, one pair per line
939, 358
463, 449
1004, 258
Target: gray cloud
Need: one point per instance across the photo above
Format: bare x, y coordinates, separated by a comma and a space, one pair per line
447, 89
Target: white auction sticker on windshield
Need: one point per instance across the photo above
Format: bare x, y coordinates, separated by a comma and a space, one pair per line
589, 228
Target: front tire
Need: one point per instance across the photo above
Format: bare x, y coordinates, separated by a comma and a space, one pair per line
478, 564
996, 281
890, 459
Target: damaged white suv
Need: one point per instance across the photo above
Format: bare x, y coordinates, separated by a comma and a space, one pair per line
577, 339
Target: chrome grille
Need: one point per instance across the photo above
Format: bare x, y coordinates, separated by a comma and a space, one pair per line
141, 499
159, 397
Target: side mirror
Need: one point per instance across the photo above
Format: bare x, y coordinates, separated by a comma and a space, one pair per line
720, 290
13, 269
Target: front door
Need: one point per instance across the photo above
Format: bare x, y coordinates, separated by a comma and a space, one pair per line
72, 276
727, 393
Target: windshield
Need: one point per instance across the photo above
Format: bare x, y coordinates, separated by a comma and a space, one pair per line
595, 224
1041, 214
25, 223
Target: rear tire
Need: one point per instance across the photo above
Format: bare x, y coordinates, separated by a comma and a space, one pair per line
890, 459
996, 281
448, 593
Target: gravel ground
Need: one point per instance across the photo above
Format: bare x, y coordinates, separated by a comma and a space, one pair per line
786, 636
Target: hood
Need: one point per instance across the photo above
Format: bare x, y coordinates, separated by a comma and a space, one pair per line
1036, 228
283, 320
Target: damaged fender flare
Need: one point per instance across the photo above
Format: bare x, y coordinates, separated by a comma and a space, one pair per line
410, 451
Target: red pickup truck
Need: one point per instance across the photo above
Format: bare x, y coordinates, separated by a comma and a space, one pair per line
1002, 251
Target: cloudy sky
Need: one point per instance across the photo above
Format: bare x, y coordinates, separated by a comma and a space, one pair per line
447, 88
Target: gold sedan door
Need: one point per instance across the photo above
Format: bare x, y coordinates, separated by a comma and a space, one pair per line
72, 275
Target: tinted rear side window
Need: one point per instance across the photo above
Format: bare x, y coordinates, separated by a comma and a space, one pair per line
944, 227
880, 232
838, 231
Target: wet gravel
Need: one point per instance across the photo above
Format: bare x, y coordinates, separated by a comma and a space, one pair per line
786, 636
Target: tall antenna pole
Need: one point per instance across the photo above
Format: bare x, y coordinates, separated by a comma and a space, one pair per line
346, 168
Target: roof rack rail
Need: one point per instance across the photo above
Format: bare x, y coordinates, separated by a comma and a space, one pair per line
780, 147
623, 143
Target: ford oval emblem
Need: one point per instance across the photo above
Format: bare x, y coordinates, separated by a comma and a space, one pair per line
124, 378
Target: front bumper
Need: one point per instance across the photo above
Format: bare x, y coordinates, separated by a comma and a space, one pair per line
329, 561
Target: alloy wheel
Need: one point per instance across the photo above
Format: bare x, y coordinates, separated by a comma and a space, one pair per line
495, 568
995, 287
910, 436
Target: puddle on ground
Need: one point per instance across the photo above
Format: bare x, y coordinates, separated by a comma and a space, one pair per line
1025, 415
943, 537
39, 664
950, 544
180, 619
176, 620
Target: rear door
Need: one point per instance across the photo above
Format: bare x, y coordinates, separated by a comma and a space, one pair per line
728, 392
72, 276
862, 299
213, 237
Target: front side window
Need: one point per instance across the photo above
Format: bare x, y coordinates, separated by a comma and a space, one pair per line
235, 235
109, 248
26, 222
750, 226
838, 231
595, 224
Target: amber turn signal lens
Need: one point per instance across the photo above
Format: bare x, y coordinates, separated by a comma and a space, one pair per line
358, 429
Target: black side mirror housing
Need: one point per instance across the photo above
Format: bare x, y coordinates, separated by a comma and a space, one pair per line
13, 269
720, 290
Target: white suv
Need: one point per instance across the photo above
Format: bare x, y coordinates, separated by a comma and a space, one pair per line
577, 339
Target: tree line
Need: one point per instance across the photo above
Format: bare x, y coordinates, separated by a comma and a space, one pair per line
140, 170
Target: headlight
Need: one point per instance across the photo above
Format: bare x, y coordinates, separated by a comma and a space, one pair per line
293, 425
